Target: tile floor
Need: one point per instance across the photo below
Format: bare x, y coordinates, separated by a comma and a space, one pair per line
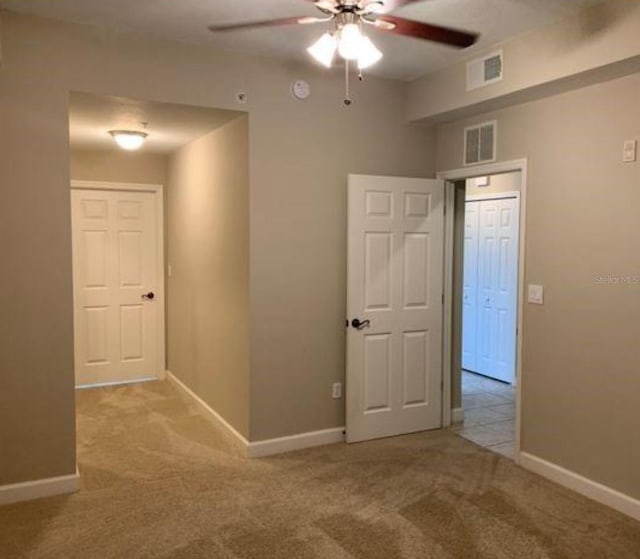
489, 413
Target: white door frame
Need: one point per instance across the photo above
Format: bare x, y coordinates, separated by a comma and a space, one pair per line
158, 190
450, 177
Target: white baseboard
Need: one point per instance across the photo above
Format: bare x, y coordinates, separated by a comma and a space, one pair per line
48, 487
269, 447
585, 486
457, 415
118, 383
207, 409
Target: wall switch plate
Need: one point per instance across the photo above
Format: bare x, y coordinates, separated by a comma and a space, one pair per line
536, 294
337, 390
629, 151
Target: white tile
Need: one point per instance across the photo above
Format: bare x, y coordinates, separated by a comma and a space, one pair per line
482, 400
482, 435
506, 430
481, 416
508, 411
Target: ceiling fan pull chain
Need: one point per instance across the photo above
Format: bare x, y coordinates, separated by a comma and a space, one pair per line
347, 98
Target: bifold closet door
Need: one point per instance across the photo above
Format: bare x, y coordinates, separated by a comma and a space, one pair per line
493, 345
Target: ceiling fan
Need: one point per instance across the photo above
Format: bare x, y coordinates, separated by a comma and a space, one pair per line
350, 18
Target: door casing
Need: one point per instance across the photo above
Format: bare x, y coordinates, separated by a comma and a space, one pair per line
450, 176
158, 190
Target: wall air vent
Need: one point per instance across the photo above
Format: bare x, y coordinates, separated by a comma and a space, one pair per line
484, 71
480, 143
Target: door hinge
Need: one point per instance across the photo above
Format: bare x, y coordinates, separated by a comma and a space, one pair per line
443, 298
444, 208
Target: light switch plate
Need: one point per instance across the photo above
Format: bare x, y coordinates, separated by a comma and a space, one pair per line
536, 294
629, 151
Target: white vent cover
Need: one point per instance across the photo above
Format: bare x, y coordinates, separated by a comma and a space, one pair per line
480, 143
484, 71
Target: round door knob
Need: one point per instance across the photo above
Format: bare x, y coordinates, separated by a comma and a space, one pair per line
149, 296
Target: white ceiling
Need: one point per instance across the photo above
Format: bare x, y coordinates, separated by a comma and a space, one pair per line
405, 58
169, 127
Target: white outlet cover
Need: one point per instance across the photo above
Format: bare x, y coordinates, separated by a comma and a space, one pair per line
629, 151
536, 294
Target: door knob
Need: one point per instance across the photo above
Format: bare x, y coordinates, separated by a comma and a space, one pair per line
360, 324
148, 296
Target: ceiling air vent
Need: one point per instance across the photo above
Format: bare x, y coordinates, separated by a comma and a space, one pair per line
484, 71
480, 143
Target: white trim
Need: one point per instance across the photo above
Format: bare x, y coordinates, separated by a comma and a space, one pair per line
493, 196
583, 485
36, 489
102, 185
158, 190
267, 447
295, 442
207, 409
117, 383
457, 415
447, 311
467, 173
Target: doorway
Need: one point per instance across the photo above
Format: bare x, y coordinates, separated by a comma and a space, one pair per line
484, 289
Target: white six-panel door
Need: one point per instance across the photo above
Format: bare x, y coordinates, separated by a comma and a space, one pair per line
489, 329
395, 281
114, 271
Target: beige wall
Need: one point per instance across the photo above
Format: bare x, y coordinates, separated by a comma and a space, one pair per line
580, 381
504, 182
601, 43
300, 155
118, 166
208, 291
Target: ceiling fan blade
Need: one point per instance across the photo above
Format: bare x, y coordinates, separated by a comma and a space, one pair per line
302, 20
426, 31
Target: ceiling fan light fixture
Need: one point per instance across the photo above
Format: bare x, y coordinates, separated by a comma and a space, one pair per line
350, 41
324, 49
128, 139
369, 54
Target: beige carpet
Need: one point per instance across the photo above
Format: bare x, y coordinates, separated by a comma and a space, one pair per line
158, 481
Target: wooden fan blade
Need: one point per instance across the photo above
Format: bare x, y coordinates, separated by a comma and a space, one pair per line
426, 31
302, 20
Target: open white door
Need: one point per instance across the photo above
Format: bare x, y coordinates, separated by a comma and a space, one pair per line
116, 279
395, 288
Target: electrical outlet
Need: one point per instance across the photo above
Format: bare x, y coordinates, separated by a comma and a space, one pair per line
337, 390
629, 151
